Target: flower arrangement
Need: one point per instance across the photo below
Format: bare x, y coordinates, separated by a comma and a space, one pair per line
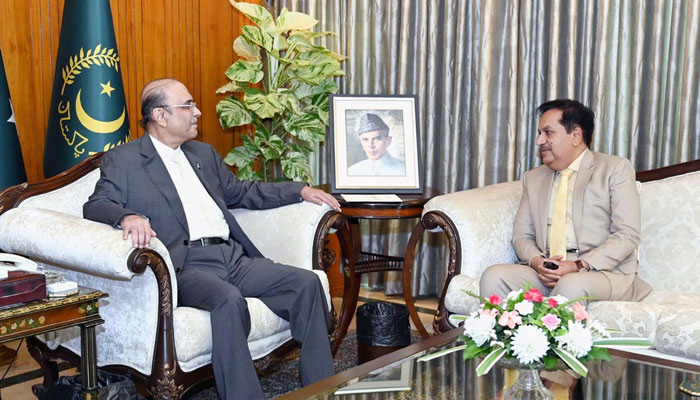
536, 330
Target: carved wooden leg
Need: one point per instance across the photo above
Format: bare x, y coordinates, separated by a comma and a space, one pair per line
407, 274
49, 367
88, 359
351, 288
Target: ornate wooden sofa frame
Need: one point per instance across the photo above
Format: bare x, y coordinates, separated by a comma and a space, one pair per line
167, 379
477, 224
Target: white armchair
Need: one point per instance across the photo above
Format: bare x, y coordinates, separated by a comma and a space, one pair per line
163, 347
478, 224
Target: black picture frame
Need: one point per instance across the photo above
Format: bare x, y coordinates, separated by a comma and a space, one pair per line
374, 162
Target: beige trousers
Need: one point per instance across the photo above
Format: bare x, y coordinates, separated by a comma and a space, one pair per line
501, 279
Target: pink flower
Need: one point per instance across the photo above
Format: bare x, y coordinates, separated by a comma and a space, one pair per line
495, 299
551, 321
491, 313
552, 303
533, 295
510, 319
580, 312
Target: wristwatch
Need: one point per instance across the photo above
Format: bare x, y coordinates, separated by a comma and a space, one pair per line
581, 266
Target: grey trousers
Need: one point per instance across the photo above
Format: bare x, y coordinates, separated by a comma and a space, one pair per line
218, 278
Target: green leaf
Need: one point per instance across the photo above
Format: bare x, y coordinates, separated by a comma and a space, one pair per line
623, 341
240, 157
441, 353
473, 350
321, 103
327, 86
300, 148
273, 148
296, 167
248, 174
232, 112
599, 353
246, 49
306, 127
276, 143
256, 36
232, 86
571, 361
489, 361
289, 100
258, 14
291, 20
550, 361
264, 106
250, 145
245, 71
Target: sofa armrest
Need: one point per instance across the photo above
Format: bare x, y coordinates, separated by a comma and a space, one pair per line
72, 243
285, 234
96, 256
483, 219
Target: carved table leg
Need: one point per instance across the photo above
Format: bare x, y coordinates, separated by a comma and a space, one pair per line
88, 359
49, 368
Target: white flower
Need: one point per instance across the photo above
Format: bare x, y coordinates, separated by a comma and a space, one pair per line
529, 344
560, 299
479, 328
514, 294
524, 307
578, 340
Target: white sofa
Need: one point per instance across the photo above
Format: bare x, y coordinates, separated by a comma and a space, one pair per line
164, 347
479, 227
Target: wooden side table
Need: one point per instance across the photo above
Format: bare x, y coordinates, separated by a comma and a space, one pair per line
357, 262
30, 319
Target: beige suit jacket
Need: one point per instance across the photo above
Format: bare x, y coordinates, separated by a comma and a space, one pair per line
606, 216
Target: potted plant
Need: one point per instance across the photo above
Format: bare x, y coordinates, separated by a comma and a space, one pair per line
280, 87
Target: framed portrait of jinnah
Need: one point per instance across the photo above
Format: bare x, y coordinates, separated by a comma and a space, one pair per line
374, 144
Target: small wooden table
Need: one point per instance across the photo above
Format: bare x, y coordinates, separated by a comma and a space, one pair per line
30, 319
357, 262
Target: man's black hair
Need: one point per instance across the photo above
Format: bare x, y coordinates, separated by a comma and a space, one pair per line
573, 114
157, 98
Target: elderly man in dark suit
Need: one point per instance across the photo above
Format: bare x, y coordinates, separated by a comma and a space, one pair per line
169, 185
577, 228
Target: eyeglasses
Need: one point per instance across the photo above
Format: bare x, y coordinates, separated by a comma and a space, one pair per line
191, 106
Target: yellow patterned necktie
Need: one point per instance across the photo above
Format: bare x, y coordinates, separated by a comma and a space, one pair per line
557, 232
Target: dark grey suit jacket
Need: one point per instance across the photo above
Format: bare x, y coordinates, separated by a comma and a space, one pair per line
134, 180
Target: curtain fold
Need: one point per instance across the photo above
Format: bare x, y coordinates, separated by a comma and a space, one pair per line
480, 68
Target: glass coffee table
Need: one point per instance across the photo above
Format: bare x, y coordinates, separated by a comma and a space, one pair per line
399, 375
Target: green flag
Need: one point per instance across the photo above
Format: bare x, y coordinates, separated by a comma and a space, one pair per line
88, 107
11, 162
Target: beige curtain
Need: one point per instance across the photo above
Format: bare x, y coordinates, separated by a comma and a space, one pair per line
480, 68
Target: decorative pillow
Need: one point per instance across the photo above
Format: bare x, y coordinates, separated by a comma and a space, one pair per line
668, 253
633, 319
678, 333
456, 300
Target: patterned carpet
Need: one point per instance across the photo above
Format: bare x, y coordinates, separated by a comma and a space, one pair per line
284, 378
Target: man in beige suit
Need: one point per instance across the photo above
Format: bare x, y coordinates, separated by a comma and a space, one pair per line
592, 251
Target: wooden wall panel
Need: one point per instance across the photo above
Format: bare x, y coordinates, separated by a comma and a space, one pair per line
189, 40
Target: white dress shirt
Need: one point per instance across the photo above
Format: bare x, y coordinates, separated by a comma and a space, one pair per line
204, 217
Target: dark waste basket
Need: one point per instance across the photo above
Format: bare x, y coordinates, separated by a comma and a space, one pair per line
110, 387
381, 328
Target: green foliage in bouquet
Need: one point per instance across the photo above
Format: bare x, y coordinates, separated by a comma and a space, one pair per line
282, 82
536, 331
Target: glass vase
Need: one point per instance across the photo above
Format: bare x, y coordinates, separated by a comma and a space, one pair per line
528, 386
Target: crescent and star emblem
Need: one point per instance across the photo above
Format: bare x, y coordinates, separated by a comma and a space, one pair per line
96, 125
